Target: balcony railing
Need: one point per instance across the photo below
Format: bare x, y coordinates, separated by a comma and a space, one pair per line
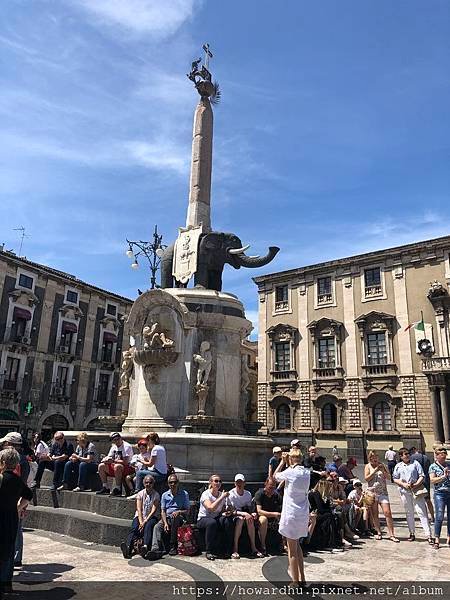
436, 364
372, 291
328, 372
10, 385
102, 397
281, 305
13, 337
379, 370
283, 375
60, 391
324, 298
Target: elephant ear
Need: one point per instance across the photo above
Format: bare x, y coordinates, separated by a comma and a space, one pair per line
210, 242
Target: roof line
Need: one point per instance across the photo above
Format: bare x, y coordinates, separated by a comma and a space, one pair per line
334, 262
67, 276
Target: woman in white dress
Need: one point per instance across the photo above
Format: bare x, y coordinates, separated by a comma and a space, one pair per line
295, 511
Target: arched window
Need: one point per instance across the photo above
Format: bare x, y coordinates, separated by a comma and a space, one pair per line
329, 417
382, 417
52, 424
283, 417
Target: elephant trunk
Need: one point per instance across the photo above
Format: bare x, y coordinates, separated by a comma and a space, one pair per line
256, 261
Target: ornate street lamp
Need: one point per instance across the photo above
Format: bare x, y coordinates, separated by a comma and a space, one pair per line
151, 250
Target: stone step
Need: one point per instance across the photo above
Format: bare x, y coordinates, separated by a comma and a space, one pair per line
79, 524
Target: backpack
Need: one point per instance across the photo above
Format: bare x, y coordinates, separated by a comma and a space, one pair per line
187, 545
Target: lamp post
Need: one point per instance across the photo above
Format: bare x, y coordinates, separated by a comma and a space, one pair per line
151, 250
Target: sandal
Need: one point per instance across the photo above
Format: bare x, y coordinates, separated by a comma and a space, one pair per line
431, 541
436, 545
394, 539
378, 536
257, 554
235, 555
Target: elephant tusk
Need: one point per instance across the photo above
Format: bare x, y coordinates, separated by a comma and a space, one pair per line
239, 250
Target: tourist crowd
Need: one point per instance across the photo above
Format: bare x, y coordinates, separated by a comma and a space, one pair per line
305, 504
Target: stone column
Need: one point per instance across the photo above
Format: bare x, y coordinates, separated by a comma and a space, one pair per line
434, 395
199, 210
445, 414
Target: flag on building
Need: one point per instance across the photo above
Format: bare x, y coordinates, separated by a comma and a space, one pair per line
419, 325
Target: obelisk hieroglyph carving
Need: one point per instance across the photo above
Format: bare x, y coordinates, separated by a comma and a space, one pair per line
199, 210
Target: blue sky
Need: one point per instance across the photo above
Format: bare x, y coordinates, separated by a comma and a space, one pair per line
332, 136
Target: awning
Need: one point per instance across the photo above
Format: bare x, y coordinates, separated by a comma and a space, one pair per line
109, 337
21, 313
69, 327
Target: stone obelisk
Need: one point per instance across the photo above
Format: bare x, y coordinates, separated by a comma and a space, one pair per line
199, 209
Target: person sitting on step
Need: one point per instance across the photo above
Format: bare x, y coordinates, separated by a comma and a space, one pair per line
175, 507
145, 519
137, 462
268, 508
58, 455
80, 465
241, 501
115, 464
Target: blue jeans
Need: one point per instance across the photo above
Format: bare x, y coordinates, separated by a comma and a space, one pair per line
140, 475
75, 471
441, 502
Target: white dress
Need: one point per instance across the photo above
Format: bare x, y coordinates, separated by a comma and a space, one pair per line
295, 512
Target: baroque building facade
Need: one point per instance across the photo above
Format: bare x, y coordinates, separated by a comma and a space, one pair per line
336, 362
60, 349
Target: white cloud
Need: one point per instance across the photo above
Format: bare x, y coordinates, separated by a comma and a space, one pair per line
157, 18
160, 155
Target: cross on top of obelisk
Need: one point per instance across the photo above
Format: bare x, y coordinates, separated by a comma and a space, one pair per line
208, 55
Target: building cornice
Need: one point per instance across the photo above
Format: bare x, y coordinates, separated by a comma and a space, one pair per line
416, 252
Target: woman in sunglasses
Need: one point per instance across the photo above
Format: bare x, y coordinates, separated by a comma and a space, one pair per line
215, 517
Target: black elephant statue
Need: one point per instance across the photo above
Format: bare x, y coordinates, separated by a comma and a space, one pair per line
215, 249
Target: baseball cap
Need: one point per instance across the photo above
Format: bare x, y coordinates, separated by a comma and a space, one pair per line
276, 449
114, 434
295, 442
357, 482
239, 477
13, 438
343, 480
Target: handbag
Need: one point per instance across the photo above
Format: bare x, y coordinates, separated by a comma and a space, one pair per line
186, 543
420, 492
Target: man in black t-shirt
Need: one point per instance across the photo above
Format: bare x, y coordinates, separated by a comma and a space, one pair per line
268, 508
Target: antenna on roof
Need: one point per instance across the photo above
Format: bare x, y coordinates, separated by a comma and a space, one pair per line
22, 229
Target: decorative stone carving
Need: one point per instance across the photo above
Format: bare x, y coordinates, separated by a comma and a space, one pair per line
437, 290
127, 369
203, 362
202, 394
245, 375
24, 296
185, 253
153, 339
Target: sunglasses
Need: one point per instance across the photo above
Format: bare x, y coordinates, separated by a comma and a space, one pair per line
217, 481
173, 482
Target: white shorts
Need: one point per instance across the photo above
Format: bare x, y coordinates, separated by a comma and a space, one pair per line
383, 499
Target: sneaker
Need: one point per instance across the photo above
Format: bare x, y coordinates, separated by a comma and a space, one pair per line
116, 492
79, 488
103, 492
125, 550
62, 487
337, 550
52, 488
173, 552
143, 550
35, 486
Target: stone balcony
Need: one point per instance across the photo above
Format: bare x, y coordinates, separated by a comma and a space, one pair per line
437, 364
283, 380
380, 376
328, 378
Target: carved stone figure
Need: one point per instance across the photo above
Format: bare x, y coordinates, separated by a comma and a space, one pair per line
245, 374
203, 362
215, 249
127, 369
154, 340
